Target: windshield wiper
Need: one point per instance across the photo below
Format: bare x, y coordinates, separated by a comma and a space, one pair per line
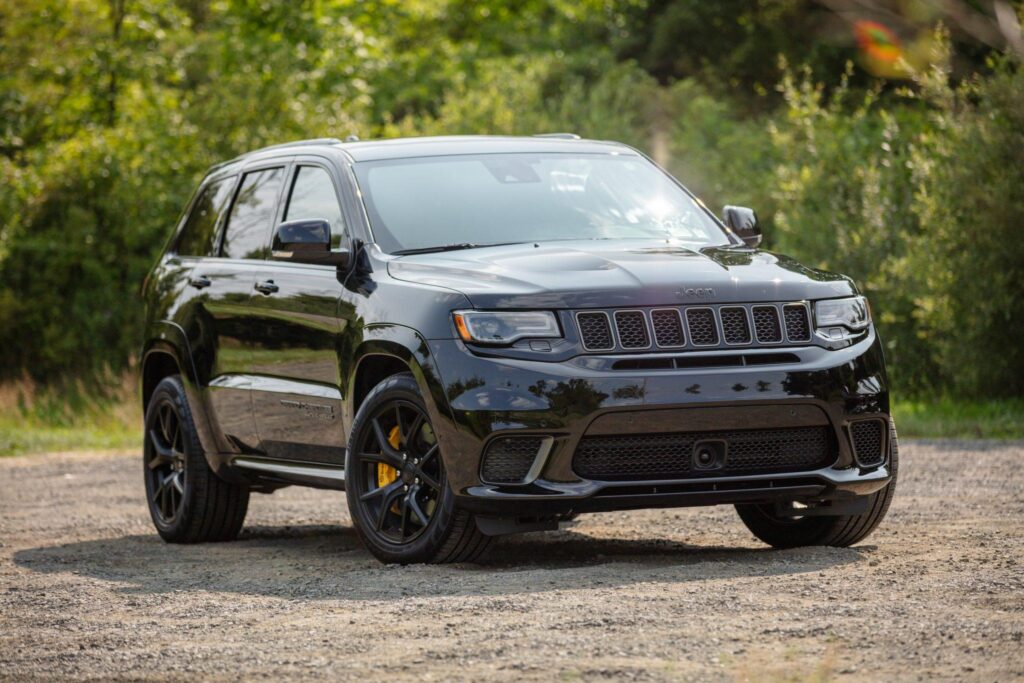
448, 247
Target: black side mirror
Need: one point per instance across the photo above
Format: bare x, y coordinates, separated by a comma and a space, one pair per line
743, 222
307, 241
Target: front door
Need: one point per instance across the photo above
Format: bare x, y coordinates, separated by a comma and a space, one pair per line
296, 393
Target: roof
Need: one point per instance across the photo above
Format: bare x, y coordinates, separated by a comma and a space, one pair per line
401, 148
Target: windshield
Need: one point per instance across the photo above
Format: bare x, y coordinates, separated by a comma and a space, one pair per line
481, 199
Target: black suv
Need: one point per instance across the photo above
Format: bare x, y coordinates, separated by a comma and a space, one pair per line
474, 336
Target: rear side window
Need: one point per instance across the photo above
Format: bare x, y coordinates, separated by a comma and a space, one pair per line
313, 196
248, 231
197, 238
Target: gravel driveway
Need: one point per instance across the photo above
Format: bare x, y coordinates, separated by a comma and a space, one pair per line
87, 590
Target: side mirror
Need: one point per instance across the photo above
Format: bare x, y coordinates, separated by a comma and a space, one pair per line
743, 222
307, 241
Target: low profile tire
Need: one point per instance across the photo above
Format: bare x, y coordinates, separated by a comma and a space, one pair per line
840, 531
398, 494
187, 501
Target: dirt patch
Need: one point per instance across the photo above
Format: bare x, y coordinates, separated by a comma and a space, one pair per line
87, 589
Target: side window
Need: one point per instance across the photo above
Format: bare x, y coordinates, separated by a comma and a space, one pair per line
249, 224
197, 238
313, 196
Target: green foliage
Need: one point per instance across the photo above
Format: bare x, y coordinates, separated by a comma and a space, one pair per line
969, 264
110, 110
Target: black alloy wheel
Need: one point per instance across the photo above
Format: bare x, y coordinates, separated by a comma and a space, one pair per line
165, 463
401, 471
398, 494
188, 502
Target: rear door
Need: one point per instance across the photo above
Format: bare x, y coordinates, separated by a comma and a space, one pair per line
296, 384
229, 352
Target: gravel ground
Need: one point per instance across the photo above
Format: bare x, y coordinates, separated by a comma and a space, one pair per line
87, 590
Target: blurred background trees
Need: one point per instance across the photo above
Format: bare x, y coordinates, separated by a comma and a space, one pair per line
882, 139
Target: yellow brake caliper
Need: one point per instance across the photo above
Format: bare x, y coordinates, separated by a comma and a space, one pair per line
386, 473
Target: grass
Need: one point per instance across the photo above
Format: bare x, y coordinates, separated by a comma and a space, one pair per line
71, 418
947, 418
38, 421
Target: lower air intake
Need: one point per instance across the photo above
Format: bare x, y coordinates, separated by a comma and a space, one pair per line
508, 460
868, 440
637, 457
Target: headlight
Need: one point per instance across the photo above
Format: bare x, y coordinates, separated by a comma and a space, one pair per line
853, 313
505, 327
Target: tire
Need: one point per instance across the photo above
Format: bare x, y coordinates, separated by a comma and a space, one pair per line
398, 495
187, 501
840, 531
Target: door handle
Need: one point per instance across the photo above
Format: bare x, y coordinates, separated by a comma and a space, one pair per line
199, 281
267, 287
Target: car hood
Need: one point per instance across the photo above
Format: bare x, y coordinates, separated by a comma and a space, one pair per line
615, 274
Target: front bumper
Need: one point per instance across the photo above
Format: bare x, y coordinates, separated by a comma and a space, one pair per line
491, 397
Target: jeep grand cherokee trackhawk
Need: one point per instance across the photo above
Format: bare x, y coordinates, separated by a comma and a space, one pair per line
474, 336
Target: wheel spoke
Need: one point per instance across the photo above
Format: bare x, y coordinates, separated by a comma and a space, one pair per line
414, 504
165, 498
179, 485
398, 421
163, 453
386, 458
429, 480
385, 446
417, 424
385, 506
428, 455
382, 490
165, 416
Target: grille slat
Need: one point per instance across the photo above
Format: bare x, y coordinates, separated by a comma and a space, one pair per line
734, 325
668, 328
766, 324
798, 327
636, 457
867, 436
701, 323
595, 331
631, 327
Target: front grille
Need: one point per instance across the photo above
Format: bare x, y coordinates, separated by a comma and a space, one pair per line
766, 325
508, 460
595, 331
692, 328
668, 329
632, 329
868, 440
637, 457
701, 322
734, 325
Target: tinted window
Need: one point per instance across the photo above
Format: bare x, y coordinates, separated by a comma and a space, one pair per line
248, 231
498, 198
313, 196
198, 236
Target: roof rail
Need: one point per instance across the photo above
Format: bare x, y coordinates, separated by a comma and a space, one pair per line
297, 143
283, 145
560, 136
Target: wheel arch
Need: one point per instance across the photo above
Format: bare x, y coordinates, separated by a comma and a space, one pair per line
165, 354
389, 350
